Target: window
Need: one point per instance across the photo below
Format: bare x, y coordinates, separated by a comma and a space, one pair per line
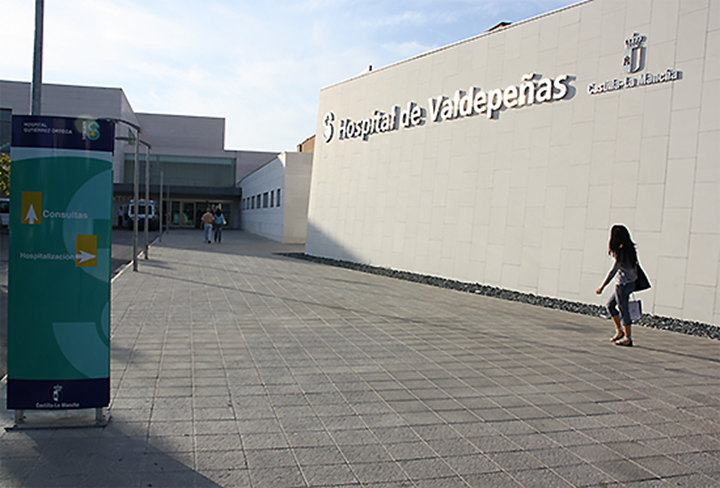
277, 198
272, 198
265, 199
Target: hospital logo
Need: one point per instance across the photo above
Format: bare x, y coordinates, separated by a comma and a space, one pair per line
634, 56
329, 128
90, 130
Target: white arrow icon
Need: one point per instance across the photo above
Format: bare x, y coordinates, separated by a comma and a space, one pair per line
84, 256
31, 217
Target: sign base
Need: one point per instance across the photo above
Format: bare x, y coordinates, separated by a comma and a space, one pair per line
59, 419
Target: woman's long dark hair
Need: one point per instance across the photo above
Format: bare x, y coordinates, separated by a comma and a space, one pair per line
621, 246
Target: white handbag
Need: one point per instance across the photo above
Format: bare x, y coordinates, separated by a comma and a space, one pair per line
635, 308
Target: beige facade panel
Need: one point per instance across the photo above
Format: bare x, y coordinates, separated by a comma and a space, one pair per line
506, 158
274, 201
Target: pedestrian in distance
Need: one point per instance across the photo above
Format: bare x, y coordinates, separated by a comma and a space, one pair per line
207, 219
625, 271
219, 221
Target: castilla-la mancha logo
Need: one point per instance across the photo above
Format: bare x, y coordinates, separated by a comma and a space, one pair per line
634, 57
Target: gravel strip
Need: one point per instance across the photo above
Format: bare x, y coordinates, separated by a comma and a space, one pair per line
647, 320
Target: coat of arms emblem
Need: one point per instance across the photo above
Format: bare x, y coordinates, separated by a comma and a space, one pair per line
634, 57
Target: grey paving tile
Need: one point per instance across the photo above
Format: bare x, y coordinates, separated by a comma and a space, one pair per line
39, 479
168, 461
699, 462
342, 422
493, 414
216, 442
256, 426
214, 460
453, 446
664, 466
582, 475
269, 458
496, 479
330, 475
289, 477
425, 469
323, 455
515, 460
378, 472
540, 477
226, 477
625, 470
403, 451
16, 468
353, 437
490, 444
171, 444
308, 438
390, 435
471, 464
693, 480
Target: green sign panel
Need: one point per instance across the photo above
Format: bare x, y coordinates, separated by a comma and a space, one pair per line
59, 263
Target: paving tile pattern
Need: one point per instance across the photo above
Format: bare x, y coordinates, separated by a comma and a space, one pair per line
232, 366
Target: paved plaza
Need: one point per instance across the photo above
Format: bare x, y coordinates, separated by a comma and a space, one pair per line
234, 366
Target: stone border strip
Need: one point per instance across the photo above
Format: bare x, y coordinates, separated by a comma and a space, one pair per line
647, 320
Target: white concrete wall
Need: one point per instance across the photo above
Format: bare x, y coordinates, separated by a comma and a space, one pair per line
267, 222
524, 201
289, 173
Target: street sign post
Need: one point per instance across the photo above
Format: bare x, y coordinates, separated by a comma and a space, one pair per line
59, 263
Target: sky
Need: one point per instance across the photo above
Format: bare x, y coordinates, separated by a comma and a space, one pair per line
260, 64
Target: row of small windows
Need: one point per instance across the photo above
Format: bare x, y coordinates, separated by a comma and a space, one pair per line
262, 200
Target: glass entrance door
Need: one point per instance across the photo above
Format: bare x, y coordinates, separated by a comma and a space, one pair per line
188, 214
182, 214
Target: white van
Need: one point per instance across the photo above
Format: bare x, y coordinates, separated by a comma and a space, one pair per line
128, 213
5, 211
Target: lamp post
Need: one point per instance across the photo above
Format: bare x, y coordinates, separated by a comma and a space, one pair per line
147, 197
160, 215
136, 197
36, 98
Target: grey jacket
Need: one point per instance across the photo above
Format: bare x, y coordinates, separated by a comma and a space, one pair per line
624, 275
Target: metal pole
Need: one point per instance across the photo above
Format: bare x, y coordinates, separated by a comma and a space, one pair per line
147, 198
136, 197
167, 223
160, 216
36, 98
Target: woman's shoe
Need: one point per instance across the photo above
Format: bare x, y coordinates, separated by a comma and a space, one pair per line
618, 335
625, 341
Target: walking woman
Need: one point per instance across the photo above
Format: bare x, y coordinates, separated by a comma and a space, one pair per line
219, 221
622, 248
